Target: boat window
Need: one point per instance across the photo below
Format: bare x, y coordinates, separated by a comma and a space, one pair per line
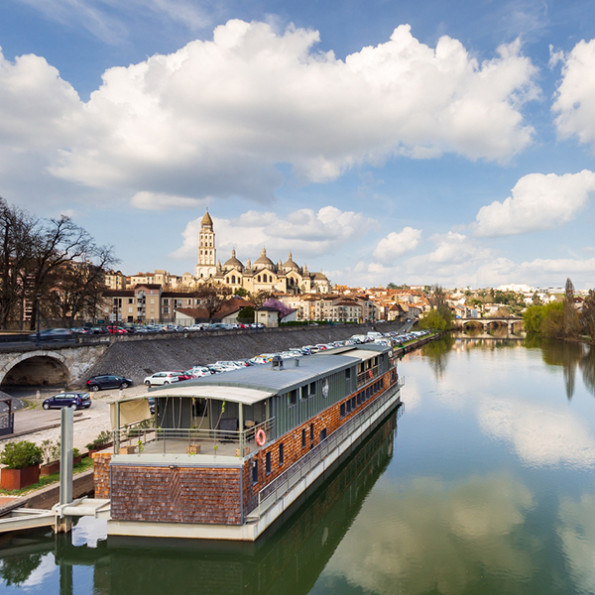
268, 463
342, 410
292, 397
311, 432
348, 406
281, 454
322, 434
304, 438
348, 374
254, 471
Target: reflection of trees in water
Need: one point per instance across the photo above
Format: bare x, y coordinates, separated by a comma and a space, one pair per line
570, 356
587, 364
437, 353
15, 570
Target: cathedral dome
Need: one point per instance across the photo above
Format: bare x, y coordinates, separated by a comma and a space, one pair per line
233, 262
263, 261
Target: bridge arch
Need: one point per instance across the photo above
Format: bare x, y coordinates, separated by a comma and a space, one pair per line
36, 368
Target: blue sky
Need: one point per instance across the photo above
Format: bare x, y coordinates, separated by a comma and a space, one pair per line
413, 142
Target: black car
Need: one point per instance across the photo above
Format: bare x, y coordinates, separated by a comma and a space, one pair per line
56, 335
78, 400
108, 381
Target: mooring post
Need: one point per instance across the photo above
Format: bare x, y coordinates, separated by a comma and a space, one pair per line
63, 523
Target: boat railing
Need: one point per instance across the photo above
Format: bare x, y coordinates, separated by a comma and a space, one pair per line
289, 478
138, 438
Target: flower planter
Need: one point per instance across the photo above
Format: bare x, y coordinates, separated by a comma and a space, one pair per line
49, 468
16, 479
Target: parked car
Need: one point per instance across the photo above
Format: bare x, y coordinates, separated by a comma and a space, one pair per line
78, 400
108, 381
53, 334
117, 330
160, 378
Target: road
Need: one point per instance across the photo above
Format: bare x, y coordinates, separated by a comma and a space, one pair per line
88, 423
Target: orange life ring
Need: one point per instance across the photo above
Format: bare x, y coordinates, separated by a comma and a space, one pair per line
261, 437
370, 373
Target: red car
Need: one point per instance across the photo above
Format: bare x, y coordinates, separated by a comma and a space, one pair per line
117, 330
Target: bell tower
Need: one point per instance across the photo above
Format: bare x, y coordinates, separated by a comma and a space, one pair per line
207, 263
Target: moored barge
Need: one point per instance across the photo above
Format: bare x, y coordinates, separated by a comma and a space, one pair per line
225, 456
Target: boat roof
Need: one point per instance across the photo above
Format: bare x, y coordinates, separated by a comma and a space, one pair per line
256, 383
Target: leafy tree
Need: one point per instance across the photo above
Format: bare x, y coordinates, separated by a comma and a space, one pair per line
571, 321
433, 320
552, 325
532, 319
587, 318
246, 315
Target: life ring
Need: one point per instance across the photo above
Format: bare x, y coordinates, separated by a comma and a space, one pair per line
370, 373
261, 437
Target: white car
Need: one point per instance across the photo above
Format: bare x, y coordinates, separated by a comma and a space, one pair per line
162, 378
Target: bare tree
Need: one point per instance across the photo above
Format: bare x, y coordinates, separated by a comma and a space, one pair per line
16, 229
211, 297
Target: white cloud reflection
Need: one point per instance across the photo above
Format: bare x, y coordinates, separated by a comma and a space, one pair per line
541, 435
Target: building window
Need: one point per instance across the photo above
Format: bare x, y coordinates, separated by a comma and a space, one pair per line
304, 438
254, 471
281, 454
267, 460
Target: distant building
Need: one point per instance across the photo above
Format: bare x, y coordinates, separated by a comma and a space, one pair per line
263, 275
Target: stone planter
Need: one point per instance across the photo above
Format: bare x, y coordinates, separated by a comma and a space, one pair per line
16, 479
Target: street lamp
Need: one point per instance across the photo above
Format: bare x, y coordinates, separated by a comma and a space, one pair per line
37, 297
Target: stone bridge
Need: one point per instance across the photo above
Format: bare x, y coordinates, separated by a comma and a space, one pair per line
47, 365
513, 323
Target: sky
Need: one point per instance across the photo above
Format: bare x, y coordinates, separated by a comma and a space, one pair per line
427, 142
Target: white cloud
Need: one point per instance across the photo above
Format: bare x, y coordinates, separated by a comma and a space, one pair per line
155, 201
395, 244
305, 232
538, 201
575, 101
217, 118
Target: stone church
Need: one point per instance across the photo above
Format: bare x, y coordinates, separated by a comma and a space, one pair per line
262, 275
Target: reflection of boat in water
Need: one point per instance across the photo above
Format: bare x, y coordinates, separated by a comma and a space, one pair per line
288, 559
229, 455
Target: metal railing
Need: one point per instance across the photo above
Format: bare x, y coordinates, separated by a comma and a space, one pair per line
289, 478
169, 440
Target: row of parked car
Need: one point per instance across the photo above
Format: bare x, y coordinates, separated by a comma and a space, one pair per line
112, 381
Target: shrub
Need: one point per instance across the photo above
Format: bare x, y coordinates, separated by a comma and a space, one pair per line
104, 437
18, 455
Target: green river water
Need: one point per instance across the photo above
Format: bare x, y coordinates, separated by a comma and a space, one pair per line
483, 482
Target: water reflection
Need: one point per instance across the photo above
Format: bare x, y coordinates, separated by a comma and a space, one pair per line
437, 353
427, 535
289, 559
571, 356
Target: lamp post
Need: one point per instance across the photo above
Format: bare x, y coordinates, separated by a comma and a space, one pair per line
37, 298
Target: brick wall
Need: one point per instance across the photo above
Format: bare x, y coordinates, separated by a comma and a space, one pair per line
178, 495
101, 473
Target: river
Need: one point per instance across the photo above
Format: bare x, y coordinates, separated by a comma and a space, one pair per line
481, 483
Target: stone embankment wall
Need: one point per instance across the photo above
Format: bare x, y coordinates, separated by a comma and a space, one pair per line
136, 358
